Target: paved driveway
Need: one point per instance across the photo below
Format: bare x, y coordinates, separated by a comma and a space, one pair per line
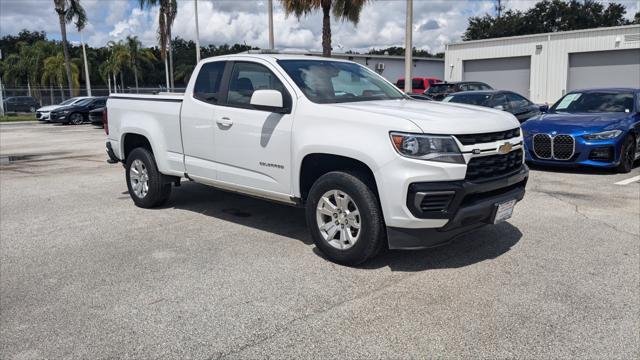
86, 274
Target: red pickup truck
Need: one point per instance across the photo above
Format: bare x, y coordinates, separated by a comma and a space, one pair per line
419, 84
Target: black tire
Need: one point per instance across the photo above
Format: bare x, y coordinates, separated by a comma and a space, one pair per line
627, 155
75, 119
372, 231
158, 190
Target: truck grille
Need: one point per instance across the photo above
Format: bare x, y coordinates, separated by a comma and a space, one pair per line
559, 147
487, 167
472, 139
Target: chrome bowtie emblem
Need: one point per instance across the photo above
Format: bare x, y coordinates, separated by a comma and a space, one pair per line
505, 148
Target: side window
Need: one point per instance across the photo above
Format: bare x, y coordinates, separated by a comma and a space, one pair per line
499, 99
516, 101
207, 85
100, 103
248, 77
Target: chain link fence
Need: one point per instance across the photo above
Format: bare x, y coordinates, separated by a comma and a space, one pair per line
52, 95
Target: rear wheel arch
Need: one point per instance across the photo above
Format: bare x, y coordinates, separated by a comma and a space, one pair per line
131, 141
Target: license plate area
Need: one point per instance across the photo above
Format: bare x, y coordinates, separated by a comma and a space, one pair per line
503, 211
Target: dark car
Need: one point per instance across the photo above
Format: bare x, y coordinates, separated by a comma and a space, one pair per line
78, 112
21, 104
596, 127
440, 91
96, 116
420, 97
508, 101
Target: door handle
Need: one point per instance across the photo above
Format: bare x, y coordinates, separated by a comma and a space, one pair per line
224, 121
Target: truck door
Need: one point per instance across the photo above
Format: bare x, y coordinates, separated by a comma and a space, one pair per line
253, 147
197, 121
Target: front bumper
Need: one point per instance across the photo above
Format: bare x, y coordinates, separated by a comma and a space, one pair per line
58, 118
471, 205
586, 153
43, 116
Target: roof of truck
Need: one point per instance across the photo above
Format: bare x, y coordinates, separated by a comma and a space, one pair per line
278, 56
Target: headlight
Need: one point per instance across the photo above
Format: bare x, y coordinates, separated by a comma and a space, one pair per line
427, 147
605, 135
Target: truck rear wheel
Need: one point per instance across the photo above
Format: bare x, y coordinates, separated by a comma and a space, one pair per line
344, 218
145, 183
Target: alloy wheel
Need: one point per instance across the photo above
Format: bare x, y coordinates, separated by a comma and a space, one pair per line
338, 219
139, 178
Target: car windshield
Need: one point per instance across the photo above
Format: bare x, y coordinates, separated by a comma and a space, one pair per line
439, 88
473, 99
70, 101
325, 81
594, 102
83, 102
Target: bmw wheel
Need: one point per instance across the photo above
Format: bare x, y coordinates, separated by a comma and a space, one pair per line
627, 155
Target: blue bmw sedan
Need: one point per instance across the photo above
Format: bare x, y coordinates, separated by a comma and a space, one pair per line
597, 127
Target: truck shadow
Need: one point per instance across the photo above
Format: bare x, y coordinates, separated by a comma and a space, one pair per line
484, 244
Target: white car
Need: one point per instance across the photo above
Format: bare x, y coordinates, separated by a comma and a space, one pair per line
371, 166
44, 113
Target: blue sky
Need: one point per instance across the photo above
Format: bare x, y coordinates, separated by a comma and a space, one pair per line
436, 22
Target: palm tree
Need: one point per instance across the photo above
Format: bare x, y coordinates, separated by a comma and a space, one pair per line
54, 73
184, 71
168, 12
346, 10
68, 11
119, 60
138, 56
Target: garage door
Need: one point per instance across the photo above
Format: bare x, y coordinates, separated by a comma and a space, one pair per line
502, 73
616, 68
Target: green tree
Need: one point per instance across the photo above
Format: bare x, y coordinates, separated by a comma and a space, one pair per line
54, 73
346, 10
168, 12
547, 16
119, 60
69, 11
138, 56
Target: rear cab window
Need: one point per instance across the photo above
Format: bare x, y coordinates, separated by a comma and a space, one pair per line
207, 86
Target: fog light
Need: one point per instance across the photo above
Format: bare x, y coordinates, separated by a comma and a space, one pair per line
601, 154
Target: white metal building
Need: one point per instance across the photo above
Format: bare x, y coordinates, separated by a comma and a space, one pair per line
392, 67
543, 67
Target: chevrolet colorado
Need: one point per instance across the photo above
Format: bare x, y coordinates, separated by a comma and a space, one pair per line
371, 166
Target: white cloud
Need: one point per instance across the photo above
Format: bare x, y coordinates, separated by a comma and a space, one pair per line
436, 22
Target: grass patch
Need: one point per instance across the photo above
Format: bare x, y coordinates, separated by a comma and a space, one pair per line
18, 117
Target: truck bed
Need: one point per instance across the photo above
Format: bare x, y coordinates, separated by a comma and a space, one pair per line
154, 116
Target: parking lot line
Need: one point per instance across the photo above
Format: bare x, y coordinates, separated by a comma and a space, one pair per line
629, 181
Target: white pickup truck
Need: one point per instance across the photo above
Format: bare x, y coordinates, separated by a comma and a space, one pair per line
371, 166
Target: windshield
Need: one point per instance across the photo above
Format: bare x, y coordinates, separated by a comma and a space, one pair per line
594, 102
326, 82
473, 99
83, 102
439, 88
70, 101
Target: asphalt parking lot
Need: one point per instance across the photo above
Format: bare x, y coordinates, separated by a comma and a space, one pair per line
86, 274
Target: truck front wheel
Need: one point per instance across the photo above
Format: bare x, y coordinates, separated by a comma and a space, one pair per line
144, 181
344, 218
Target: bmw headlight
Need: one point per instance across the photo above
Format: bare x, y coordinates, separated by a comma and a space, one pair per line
605, 135
427, 147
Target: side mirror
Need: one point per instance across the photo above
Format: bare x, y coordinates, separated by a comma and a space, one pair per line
544, 108
267, 100
499, 107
